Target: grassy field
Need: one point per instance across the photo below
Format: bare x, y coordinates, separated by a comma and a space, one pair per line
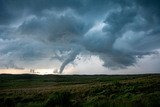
80, 90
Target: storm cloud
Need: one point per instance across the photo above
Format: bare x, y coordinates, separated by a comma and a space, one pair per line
119, 32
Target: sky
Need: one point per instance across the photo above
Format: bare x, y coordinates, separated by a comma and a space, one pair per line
81, 36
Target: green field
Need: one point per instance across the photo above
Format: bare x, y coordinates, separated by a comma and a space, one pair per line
80, 90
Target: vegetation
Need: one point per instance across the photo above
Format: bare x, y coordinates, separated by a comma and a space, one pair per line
79, 90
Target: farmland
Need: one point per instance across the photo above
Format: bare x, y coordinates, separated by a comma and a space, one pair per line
80, 90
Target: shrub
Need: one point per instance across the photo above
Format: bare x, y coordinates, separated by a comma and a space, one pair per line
59, 99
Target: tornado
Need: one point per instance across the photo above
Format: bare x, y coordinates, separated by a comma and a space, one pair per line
70, 59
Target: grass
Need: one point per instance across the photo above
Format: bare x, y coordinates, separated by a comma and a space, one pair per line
79, 90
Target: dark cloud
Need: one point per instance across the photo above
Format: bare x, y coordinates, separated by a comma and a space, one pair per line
55, 27
119, 32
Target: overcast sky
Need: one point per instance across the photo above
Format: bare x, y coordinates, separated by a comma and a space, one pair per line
83, 36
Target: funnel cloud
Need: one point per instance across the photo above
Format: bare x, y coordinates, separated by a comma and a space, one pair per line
71, 57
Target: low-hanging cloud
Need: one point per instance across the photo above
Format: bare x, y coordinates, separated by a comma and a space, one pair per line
119, 32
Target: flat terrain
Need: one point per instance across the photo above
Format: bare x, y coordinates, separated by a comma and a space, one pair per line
80, 90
